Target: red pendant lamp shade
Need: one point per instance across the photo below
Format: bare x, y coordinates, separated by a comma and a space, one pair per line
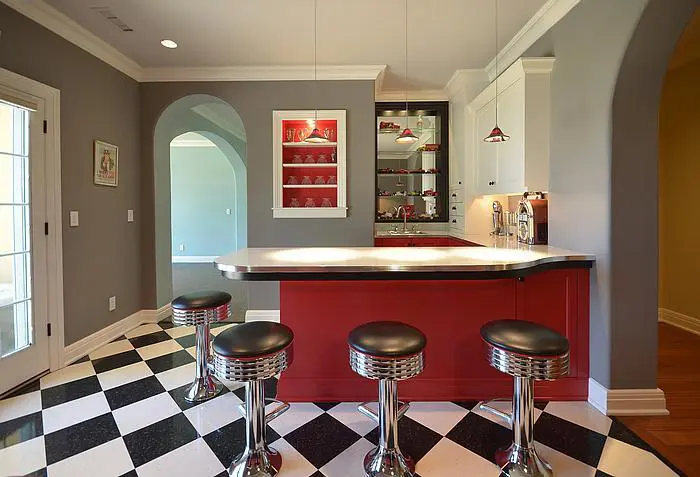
497, 135
316, 136
406, 137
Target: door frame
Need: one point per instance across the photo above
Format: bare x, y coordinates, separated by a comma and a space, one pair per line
54, 246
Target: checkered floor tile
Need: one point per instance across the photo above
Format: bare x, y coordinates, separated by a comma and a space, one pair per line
121, 412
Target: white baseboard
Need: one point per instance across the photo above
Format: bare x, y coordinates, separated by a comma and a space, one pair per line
262, 315
679, 320
194, 258
626, 402
87, 345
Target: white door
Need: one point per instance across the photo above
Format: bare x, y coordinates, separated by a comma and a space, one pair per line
511, 154
24, 343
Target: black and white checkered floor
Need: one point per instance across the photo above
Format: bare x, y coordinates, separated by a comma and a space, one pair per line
122, 413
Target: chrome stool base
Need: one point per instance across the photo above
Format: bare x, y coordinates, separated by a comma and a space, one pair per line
388, 463
203, 388
265, 462
517, 461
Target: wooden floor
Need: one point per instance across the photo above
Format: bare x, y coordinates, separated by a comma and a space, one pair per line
677, 436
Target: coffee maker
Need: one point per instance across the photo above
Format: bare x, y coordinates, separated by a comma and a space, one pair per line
532, 219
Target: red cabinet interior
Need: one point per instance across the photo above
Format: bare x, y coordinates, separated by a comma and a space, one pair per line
422, 242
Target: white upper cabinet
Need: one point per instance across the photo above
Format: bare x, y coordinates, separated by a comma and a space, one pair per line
521, 164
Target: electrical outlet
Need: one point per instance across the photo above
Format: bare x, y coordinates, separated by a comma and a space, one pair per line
112, 303
130, 215
228, 211
182, 247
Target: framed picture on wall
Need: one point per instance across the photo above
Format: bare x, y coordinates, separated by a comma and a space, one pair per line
106, 158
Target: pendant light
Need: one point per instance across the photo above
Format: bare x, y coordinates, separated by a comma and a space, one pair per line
406, 136
497, 135
316, 135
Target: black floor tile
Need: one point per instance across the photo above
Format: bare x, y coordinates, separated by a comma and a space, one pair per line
321, 439
541, 405
79, 438
84, 359
600, 473
118, 338
178, 395
166, 324
132, 392
149, 339
270, 390
620, 432
480, 436
56, 395
39, 473
131, 473
468, 405
229, 441
158, 439
20, 429
27, 388
190, 340
170, 361
115, 361
569, 438
318, 473
415, 439
326, 406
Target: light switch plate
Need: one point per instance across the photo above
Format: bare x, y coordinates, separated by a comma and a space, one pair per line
74, 219
129, 215
228, 211
112, 303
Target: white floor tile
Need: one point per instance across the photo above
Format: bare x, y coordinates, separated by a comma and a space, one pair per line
180, 331
158, 349
109, 349
562, 464
438, 416
219, 329
23, 458
67, 374
214, 414
450, 459
193, 459
581, 413
110, 459
73, 412
143, 330
293, 463
298, 414
192, 350
176, 377
505, 406
349, 462
20, 406
126, 374
623, 460
347, 413
144, 413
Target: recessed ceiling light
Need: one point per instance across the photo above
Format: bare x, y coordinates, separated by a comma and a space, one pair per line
168, 43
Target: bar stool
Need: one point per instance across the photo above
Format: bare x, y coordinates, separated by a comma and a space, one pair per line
201, 309
390, 352
251, 353
529, 352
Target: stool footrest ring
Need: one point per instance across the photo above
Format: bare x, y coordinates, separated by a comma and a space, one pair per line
270, 416
506, 416
369, 412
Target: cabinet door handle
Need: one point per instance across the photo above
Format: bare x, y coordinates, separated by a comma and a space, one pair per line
460, 182
454, 208
454, 221
454, 195
491, 183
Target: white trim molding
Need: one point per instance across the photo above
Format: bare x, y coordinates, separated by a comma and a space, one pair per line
265, 73
87, 345
679, 320
425, 95
626, 402
262, 315
194, 258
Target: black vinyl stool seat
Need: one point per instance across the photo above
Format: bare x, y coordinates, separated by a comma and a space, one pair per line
251, 353
529, 352
388, 351
200, 309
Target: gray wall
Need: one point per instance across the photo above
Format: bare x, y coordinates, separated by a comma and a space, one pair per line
102, 257
603, 176
254, 102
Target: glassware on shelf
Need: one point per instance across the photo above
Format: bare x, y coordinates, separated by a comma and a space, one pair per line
309, 159
331, 135
322, 159
326, 202
306, 180
294, 202
296, 159
327, 133
333, 156
331, 180
291, 132
319, 180
310, 202
292, 180
303, 133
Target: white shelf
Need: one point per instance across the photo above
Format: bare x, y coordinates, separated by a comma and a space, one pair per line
309, 212
309, 144
328, 164
310, 186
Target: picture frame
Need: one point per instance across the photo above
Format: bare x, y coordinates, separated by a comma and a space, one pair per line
106, 164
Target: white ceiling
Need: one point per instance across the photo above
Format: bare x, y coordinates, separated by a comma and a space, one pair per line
444, 35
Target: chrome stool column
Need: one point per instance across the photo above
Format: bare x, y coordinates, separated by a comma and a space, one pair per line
201, 309
529, 352
251, 353
389, 352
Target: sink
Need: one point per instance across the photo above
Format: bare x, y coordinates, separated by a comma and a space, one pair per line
408, 232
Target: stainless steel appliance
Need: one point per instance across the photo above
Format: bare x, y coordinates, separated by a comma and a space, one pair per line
532, 219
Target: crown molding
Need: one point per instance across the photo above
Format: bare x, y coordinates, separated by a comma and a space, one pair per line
265, 73
55, 21
545, 18
467, 82
423, 95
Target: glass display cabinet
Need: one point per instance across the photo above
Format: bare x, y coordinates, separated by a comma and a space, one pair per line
412, 175
309, 177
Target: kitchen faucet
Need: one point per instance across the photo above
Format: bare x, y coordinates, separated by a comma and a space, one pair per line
398, 213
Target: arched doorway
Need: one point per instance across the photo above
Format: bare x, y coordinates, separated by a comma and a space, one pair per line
216, 125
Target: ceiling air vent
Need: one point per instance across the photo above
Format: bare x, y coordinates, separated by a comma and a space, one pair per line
110, 16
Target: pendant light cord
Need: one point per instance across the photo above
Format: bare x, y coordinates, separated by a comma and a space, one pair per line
497, 53
405, 65
315, 77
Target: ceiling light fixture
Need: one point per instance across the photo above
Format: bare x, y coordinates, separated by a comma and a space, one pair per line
168, 44
316, 135
497, 135
406, 136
